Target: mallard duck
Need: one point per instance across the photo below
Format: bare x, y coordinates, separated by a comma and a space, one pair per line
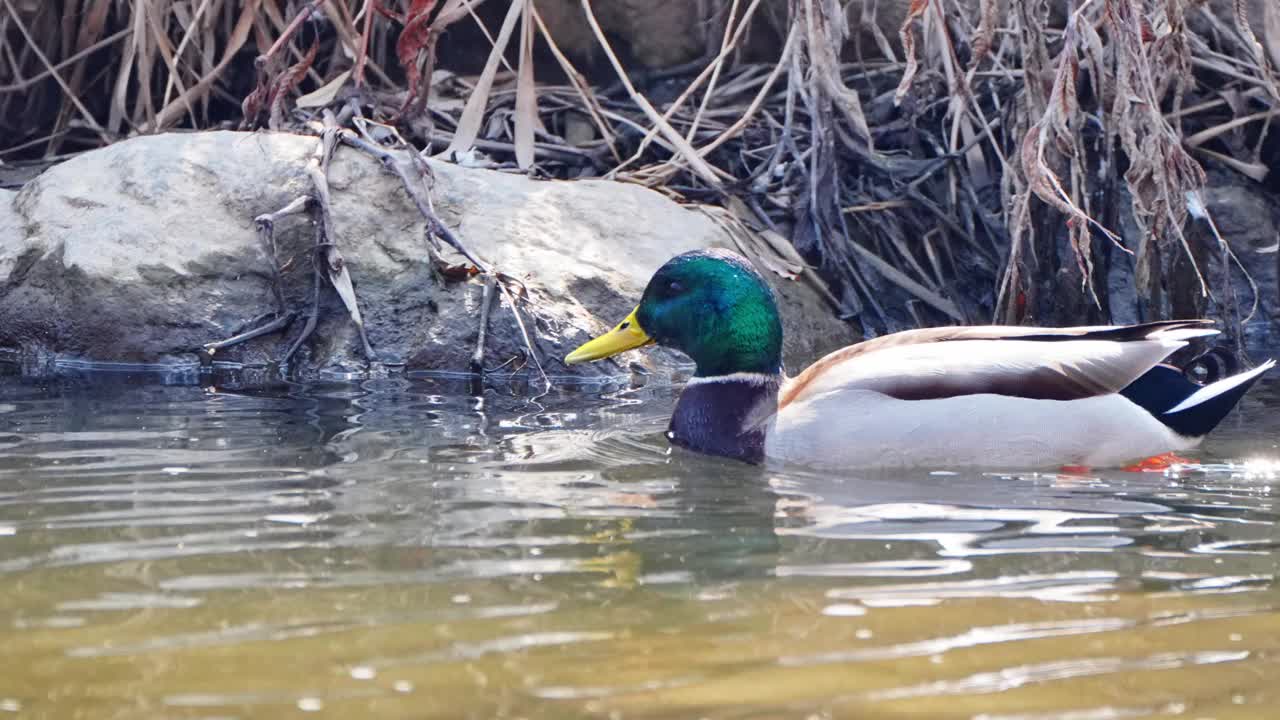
979, 396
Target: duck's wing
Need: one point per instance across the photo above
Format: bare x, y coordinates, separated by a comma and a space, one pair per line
1037, 363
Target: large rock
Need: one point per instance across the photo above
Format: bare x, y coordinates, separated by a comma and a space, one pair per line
145, 250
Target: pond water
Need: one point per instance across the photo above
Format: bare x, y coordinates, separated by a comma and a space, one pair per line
400, 549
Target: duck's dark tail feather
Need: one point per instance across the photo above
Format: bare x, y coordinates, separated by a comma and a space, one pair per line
1189, 409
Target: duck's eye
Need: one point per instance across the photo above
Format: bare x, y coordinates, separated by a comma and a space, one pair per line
674, 287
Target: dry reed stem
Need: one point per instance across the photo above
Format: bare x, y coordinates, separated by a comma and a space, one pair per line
526, 116
469, 123
694, 85
881, 199
589, 101
704, 171
49, 68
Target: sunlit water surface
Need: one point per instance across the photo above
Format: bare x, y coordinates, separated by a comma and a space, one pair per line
401, 549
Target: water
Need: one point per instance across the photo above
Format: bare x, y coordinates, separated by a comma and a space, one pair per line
399, 549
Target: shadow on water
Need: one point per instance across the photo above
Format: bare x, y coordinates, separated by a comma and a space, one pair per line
400, 548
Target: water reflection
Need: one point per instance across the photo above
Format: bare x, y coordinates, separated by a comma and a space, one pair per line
399, 548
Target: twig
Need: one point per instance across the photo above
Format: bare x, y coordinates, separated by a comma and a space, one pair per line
266, 225
362, 54
235, 41
280, 322
1208, 134
542, 150
580, 85
314, 314
729, 42
1254, 170
700, 167
192, 27
749, 114
289, 31
1196, 201
900, 278
524, 334
44, 60
28, 82
393, 164
878, 206
486, 301
339, 275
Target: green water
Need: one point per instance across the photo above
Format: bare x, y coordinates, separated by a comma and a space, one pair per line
400, 549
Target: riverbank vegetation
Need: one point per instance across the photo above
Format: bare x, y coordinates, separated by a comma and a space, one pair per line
924, 162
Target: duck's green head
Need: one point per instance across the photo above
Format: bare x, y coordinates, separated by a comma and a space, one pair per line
709, 304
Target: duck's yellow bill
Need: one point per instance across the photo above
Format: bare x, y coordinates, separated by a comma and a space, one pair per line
626, 336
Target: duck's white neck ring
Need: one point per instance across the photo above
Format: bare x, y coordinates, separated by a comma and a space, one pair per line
751, 378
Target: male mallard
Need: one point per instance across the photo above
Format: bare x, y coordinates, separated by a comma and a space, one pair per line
950, 396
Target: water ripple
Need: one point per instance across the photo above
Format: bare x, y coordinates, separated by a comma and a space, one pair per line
398, 548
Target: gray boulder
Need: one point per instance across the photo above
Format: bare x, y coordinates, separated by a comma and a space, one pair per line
145, 250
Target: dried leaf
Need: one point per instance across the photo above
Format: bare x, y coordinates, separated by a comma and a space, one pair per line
453, 11
1160, 171
455, 271
908, 38
160, 34
341, 279
986, 32
473, 115
868, 20
526, 93
326, 93
824, 40
119, 95
1241, 15
380, 9
286, 82
1271, 31
92, 24
1042, 181
900, 279
144, 62
416, 37
251, 106
1094, 55
236, 40
193, 39
579, 83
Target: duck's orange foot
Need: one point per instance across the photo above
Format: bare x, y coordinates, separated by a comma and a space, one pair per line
1159, 463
